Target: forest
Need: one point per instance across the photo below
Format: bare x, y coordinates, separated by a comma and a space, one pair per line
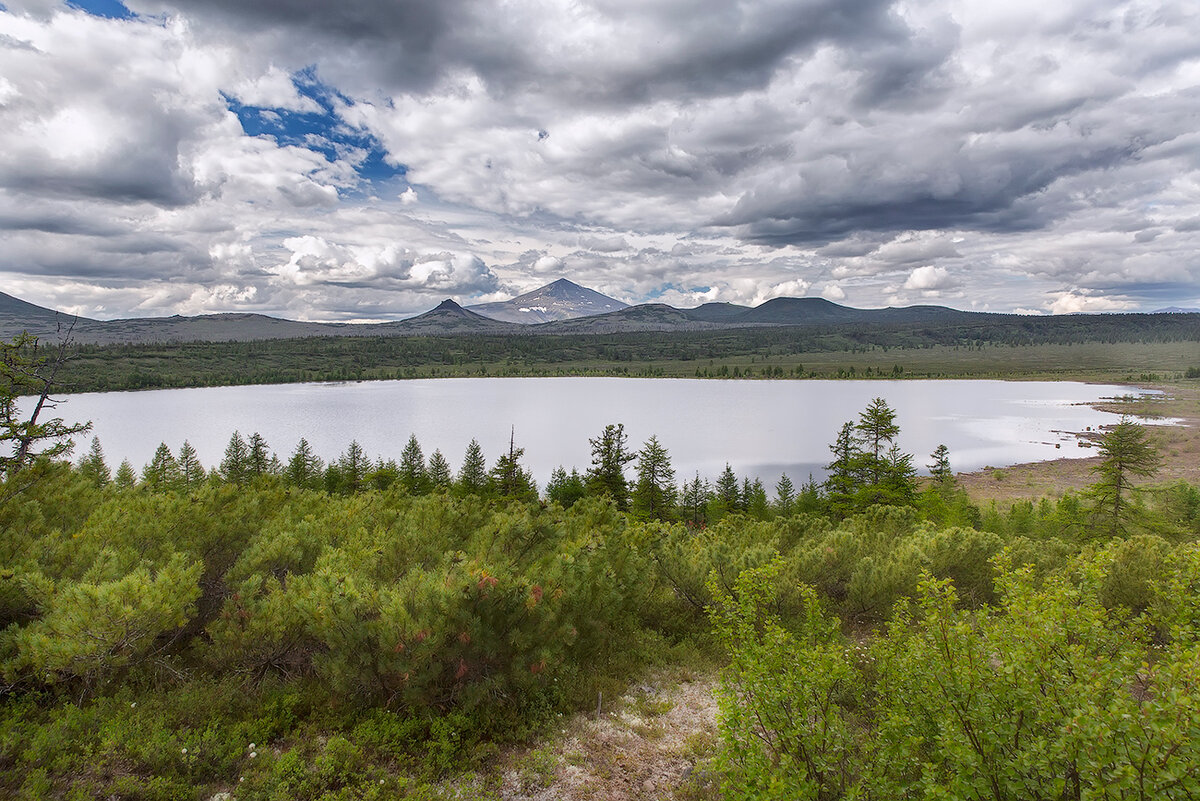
280, 628
1001, 344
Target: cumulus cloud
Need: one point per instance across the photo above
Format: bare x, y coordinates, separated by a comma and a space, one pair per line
1073, 302
930, 277
263, 155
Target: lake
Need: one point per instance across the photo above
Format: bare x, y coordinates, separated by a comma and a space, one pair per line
761, 428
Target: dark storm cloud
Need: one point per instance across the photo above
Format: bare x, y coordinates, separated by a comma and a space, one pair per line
639, 51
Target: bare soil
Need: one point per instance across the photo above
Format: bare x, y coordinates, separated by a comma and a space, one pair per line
652, 743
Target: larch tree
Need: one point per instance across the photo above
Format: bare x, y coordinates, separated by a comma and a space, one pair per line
1126, 453
609, 457
654, 494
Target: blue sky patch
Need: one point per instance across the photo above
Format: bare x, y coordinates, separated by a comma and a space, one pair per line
323, 131
112, 9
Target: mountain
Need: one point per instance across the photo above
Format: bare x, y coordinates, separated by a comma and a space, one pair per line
646, 317
716, 312
560, 300
1176, 310
447, 318
17, 315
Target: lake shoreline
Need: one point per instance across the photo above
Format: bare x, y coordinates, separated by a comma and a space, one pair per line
1179, 444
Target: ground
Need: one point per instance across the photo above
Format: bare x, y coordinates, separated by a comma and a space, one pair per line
652, 743
1179, 444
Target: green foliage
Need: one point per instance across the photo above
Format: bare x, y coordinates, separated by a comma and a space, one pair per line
1125, 453
654, 493
564, 489
610, 454
29, 368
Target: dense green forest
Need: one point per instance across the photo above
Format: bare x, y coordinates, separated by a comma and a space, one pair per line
1162, 343
288, 629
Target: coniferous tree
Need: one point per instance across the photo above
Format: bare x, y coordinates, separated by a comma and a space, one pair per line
509, 479
162, 473
125, 477
609, 457
939, 468
235, 465
191, 472
877, 431
304, 468
93, 467
754, 499
565, 489
695, 500
412, 468
259, 459
439, 471
842, 481
1126, 452
473, 475
352, 468
654, 494
726, 492
785, 495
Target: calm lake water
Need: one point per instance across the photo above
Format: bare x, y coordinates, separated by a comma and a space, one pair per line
761, 428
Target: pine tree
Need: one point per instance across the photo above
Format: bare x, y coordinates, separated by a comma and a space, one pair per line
439, 471
654, 494
609, 457
473, 475
93, 467
412, 468
754, 499
191, 472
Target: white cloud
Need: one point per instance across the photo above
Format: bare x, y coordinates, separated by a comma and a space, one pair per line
833, 292
1075, 303
930, 277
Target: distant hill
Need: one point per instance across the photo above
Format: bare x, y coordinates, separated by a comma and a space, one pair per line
17, 315
1176, 310
447, 318
560, 300
451, 319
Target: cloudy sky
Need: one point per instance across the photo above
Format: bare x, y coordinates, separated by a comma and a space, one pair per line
364, 159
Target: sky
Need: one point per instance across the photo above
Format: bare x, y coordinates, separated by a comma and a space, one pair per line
365, 159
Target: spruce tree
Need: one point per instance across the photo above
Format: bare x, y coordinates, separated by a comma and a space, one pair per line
695, 498
939, 469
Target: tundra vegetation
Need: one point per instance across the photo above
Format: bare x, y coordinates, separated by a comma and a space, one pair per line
283, 628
